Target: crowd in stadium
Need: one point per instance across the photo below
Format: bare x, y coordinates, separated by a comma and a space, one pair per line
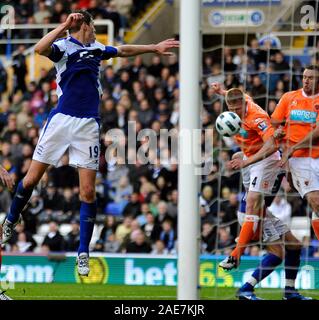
137, 203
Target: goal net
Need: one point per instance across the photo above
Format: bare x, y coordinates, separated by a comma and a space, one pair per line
261, 47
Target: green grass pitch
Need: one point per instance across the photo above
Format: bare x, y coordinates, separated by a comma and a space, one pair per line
27, 291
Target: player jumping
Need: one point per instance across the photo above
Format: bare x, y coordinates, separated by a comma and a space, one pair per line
262, 177
73, 126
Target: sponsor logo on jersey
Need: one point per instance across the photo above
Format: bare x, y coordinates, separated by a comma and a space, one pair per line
243, 133
303, 116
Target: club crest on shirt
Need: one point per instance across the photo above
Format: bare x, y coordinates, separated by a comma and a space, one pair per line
265, 184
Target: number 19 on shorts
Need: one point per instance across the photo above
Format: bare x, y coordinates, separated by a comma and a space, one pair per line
94, 152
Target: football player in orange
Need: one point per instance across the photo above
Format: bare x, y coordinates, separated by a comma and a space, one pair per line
262, 179
298, 113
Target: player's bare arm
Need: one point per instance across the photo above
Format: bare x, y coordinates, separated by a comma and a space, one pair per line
269, 147
43, 47
161, 48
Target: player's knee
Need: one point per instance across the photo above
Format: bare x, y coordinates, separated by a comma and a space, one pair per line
87, 193
254, 201
276, 250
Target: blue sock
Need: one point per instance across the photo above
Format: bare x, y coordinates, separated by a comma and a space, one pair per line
242, 206
292, 263
19, 201
267, 266
87, 219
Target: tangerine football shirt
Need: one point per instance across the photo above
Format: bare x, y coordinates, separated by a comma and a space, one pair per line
255, 129
299, 113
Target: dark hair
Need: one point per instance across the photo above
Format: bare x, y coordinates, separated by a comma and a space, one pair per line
87, 19
313, 67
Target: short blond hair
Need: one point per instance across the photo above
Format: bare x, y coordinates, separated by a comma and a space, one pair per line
234, 95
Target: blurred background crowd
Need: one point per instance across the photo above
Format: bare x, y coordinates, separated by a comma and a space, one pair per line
137, 203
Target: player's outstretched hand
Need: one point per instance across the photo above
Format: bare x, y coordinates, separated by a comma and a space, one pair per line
229, 263
162, 48
217, 88
72, 18
237, 164
6, 179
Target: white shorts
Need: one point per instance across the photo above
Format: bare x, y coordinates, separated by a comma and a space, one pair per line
262, 175
272, 227
305, 174
79, 137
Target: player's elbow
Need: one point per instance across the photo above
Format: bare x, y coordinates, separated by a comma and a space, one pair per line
38, 49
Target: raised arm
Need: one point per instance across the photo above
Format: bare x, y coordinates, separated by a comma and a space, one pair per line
43, 47
161, 48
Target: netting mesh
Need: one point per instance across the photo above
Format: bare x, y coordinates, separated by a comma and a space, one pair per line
265, 65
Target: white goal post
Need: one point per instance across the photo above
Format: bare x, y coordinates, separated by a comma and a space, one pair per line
188, 205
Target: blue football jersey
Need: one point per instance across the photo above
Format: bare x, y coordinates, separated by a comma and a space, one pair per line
78, 66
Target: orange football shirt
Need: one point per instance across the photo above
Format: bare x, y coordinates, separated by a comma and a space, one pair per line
255, 129
300, 114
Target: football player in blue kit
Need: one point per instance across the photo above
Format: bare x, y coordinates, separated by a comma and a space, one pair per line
73, 126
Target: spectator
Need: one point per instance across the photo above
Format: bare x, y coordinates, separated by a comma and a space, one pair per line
162, 212
42, 12
33, 210
124, 229
72, 240
3, 79
258, 92
5, 199
151, 228
139, 245
208, 237
159, 248
111, 245
133, 207
280, 64
172, 206
20, 69
53, 241
64, 170
108, 229
168, 235
22, 239
224, 238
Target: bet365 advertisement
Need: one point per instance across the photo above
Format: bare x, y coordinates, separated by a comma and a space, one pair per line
144, 270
